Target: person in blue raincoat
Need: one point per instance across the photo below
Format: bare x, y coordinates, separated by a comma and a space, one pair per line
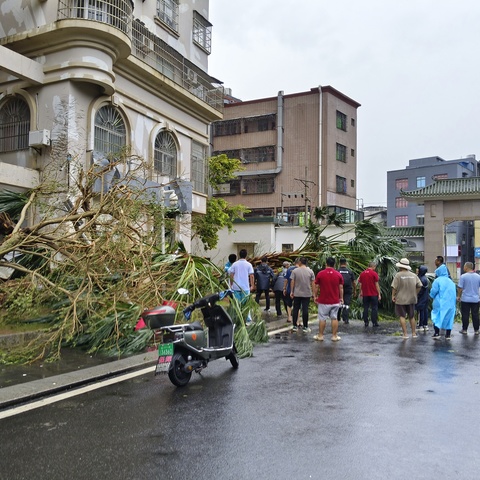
444, 294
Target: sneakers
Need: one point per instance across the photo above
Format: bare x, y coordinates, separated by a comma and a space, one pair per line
307, 330
436, 336
477, 332
294, 328
448, 338
463, 332
425, 328
318, 338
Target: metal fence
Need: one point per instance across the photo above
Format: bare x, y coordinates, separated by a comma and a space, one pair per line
146, 46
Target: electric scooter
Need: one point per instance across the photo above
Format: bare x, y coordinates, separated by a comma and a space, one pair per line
187, 348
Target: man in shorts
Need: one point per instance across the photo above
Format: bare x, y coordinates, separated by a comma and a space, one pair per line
329, 297
405, 287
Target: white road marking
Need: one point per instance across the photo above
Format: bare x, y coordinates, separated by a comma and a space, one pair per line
79, 391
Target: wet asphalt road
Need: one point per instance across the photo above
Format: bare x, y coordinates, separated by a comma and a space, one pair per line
372, 406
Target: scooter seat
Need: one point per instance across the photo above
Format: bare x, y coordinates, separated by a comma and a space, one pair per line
194, 326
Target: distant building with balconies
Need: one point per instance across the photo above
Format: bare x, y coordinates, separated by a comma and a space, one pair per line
82, 79
299, 152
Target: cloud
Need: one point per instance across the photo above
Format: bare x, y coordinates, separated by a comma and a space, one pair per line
412, 65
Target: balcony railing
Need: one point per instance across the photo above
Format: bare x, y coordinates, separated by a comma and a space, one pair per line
117, 13
146, 46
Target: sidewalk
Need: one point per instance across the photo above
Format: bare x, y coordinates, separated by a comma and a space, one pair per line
23, 390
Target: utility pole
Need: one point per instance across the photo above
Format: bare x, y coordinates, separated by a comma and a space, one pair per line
305, 183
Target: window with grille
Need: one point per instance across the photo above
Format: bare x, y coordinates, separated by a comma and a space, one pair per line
401, 221
167, 12
14, 125
341, 153
401, 202
258, 154
262, 123
202, 32
420, 219
341, 184
401, 183
165, 155
229, 153
341, 121
227, 127
258, 185
199, 167
110, 133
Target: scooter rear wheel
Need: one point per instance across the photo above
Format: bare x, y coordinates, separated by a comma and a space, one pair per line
233, 357
176, 373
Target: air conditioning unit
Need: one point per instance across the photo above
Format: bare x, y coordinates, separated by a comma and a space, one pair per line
146, 45
192, 76
39, 138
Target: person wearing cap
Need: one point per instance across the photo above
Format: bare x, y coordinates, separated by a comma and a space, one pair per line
405, 287
278, 283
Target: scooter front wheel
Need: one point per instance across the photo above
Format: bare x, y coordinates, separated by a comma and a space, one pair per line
176, 373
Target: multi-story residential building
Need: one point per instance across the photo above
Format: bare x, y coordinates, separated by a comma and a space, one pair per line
82, 79
299, 152
420, 173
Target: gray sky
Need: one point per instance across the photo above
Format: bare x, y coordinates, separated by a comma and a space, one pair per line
413, 65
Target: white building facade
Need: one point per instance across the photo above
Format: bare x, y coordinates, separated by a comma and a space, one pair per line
81, 80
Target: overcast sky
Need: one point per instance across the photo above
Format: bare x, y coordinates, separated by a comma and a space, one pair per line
413, 65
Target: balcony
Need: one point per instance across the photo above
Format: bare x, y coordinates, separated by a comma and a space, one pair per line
146, 46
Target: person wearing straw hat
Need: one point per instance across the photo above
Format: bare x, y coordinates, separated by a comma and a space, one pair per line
405, 287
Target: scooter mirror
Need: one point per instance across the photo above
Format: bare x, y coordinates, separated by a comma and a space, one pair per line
183, 291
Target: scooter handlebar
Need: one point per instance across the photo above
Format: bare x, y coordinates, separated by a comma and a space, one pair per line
207, 301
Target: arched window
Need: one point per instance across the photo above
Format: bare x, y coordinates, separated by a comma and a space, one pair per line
110, 134
14, 125
165, 155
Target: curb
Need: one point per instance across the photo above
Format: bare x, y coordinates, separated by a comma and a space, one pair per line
36, 389
25, 392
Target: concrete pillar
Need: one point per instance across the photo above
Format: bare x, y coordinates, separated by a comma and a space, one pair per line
434, 234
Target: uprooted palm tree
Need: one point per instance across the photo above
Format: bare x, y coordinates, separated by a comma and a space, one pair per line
369, 244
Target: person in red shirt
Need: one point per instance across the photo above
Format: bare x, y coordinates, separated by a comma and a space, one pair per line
329, 297
370, 291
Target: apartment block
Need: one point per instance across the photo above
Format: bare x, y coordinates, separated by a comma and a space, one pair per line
299, 152
81, 80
